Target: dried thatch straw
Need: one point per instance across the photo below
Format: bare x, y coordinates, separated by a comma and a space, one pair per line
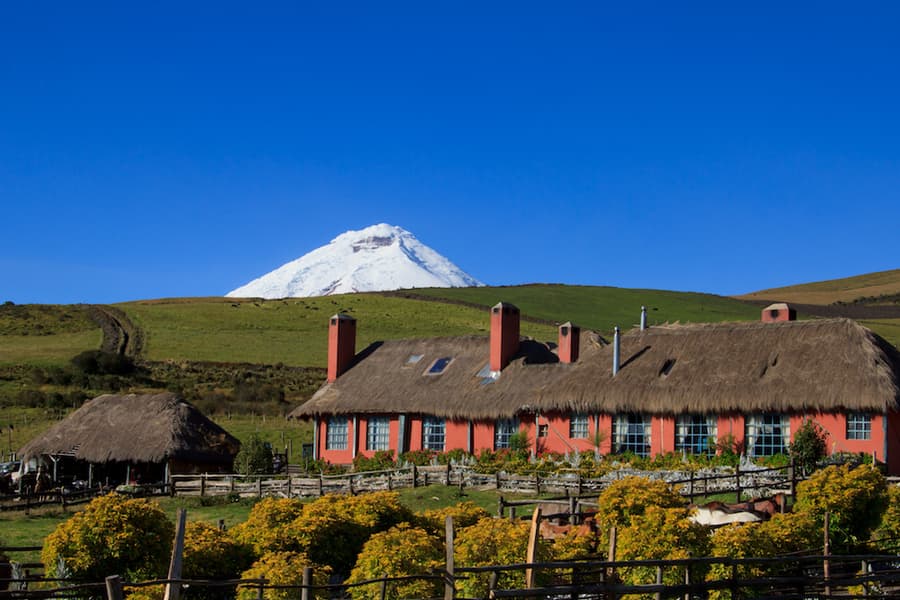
799, 366
136, 428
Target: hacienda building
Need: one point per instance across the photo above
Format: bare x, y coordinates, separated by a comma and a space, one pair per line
671, 388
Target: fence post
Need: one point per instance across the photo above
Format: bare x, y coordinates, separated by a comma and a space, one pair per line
537, 483
306, 582
512, 513
687, 579
793, 471
259, 589
425, 478
865, 571
532, 547
691, 489
173, 590
573, 519
390, 482
350, 484
737, 481
202, 484
415, 475
497, 480
449, 583
659, 580
114, 587
500, 506
826, 564
321, 485
447, 482
289, 485
382, 592
611, 557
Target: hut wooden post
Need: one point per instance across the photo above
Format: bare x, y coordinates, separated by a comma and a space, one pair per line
114, 587
532, 547
449, 583
174, 589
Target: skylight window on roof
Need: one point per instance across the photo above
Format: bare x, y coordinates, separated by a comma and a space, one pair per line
414, 358
438, 366
486, 375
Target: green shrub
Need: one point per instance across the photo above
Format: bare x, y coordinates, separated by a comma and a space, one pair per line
210, 553
464, 514
254, 457
886, 537
809, 445
382, 460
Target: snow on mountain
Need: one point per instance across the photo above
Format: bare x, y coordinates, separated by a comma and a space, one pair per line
378, 258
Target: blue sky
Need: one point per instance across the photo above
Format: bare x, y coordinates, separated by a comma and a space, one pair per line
182, 149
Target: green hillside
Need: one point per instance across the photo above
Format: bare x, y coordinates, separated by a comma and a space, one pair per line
602, 308
871, 286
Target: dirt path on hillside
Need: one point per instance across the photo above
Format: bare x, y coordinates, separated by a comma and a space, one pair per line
120, 334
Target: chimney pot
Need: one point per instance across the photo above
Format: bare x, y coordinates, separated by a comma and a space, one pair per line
778, 312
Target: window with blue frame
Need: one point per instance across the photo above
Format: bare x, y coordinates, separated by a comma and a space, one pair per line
434, 433
631, 433
504, 429
378, 432
859, 426
578, 427
695, 434
336, 433
767, 434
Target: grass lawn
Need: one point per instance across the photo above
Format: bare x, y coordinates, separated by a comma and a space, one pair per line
47, 350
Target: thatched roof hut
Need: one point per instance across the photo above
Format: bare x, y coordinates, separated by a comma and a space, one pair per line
149, 428
824, 365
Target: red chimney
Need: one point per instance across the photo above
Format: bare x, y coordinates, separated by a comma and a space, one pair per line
504, 335
569, 340
778, 312
341, 344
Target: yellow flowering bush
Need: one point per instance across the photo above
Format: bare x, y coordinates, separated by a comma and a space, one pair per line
855, 499
399, 551
632, 496
464, 514
283, 568
782, 534
493, 541
886, 536
660, 533
210, 553
577, 544
265, 529
376, 511
112, 535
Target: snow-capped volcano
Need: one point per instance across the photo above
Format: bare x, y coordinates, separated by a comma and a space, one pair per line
378, 258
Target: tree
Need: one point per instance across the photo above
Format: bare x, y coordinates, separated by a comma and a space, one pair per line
809, 445
254, 457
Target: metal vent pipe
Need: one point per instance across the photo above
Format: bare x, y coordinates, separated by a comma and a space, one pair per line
616, 351
643, 318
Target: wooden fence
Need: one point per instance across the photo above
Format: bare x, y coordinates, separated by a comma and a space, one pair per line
786, 577
691, 485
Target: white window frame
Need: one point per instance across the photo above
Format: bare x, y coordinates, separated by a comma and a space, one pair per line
336, 433
378, 433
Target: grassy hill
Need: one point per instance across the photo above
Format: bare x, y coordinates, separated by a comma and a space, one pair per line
873, 288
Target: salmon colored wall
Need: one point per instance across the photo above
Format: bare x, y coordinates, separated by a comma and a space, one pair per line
457, 435
393, 428
662, 435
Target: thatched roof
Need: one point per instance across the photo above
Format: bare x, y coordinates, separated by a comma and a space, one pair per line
712, 368
136, 428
